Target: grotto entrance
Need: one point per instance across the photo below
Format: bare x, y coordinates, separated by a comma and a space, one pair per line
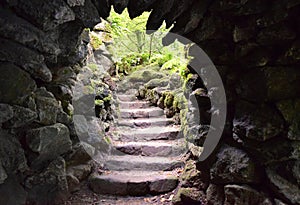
141, 100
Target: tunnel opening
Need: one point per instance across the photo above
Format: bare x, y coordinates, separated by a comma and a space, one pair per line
254, 46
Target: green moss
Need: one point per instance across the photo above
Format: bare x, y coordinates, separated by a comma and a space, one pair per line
169, 99
107, 140
99, 102
108, 98
96, 42
93, 67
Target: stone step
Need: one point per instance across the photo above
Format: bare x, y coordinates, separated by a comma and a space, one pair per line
141, 163
146, 122
134, 104
141, 113
146, 134
153, 148
133, 183
126, 98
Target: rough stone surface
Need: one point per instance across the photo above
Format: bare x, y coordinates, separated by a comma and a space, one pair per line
49, 186
236, 194
49, 142
15, 84
234, 165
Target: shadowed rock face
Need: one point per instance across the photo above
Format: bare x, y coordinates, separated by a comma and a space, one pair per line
254, 45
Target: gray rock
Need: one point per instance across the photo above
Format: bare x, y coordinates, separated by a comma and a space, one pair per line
234, 166
88, 14
21, 31
29, 60
103, 60
73, 3
13, 159
12, 192
188, 196
49, 142
47, 15
47, 107
215, 194
81, 153
21, 117
241, 195
6, 113
283, 186
289, 109
15, 84
81, 172
50, 186
3, 174
250, 121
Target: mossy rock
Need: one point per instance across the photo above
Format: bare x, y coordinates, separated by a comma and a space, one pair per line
145, 75
190, 196
169, 98
157, 83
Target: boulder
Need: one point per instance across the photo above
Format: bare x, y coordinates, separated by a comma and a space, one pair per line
49, 142
250, 121
190, 196
234, 166
29, 60
215, 194
47, 106
240, 195
13, 159
15, 84
21, 117
6, 112
49, 186
282, 186
289, 110
12, 192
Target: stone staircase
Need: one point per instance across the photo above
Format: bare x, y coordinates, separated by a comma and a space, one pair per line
148, 152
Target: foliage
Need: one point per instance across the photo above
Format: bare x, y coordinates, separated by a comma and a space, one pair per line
132, 48
96, 41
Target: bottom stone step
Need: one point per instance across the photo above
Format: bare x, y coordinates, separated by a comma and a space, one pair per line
133, 183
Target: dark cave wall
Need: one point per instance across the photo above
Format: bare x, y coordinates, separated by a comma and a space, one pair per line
254, 44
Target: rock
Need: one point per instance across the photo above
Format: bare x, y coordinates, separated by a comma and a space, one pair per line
276, 150
21, 117
215, 194
87, 14
283, 186
289, 108
250, 121
19, 30
81, 153
50, 186
47, 106
271, 84
81, 171
234, 166
276, 34
47, 15
240, 195
120, 5
62, 92
81, 126
136, 8
3, 174
191, 177
103, 60
29, 60
12, 192
103, 7
190, 196
157, 83
163, 185
15, 84
13, 159
73, 3
6, 113
49, 142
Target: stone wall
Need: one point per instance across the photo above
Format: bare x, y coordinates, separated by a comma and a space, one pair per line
254, 44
